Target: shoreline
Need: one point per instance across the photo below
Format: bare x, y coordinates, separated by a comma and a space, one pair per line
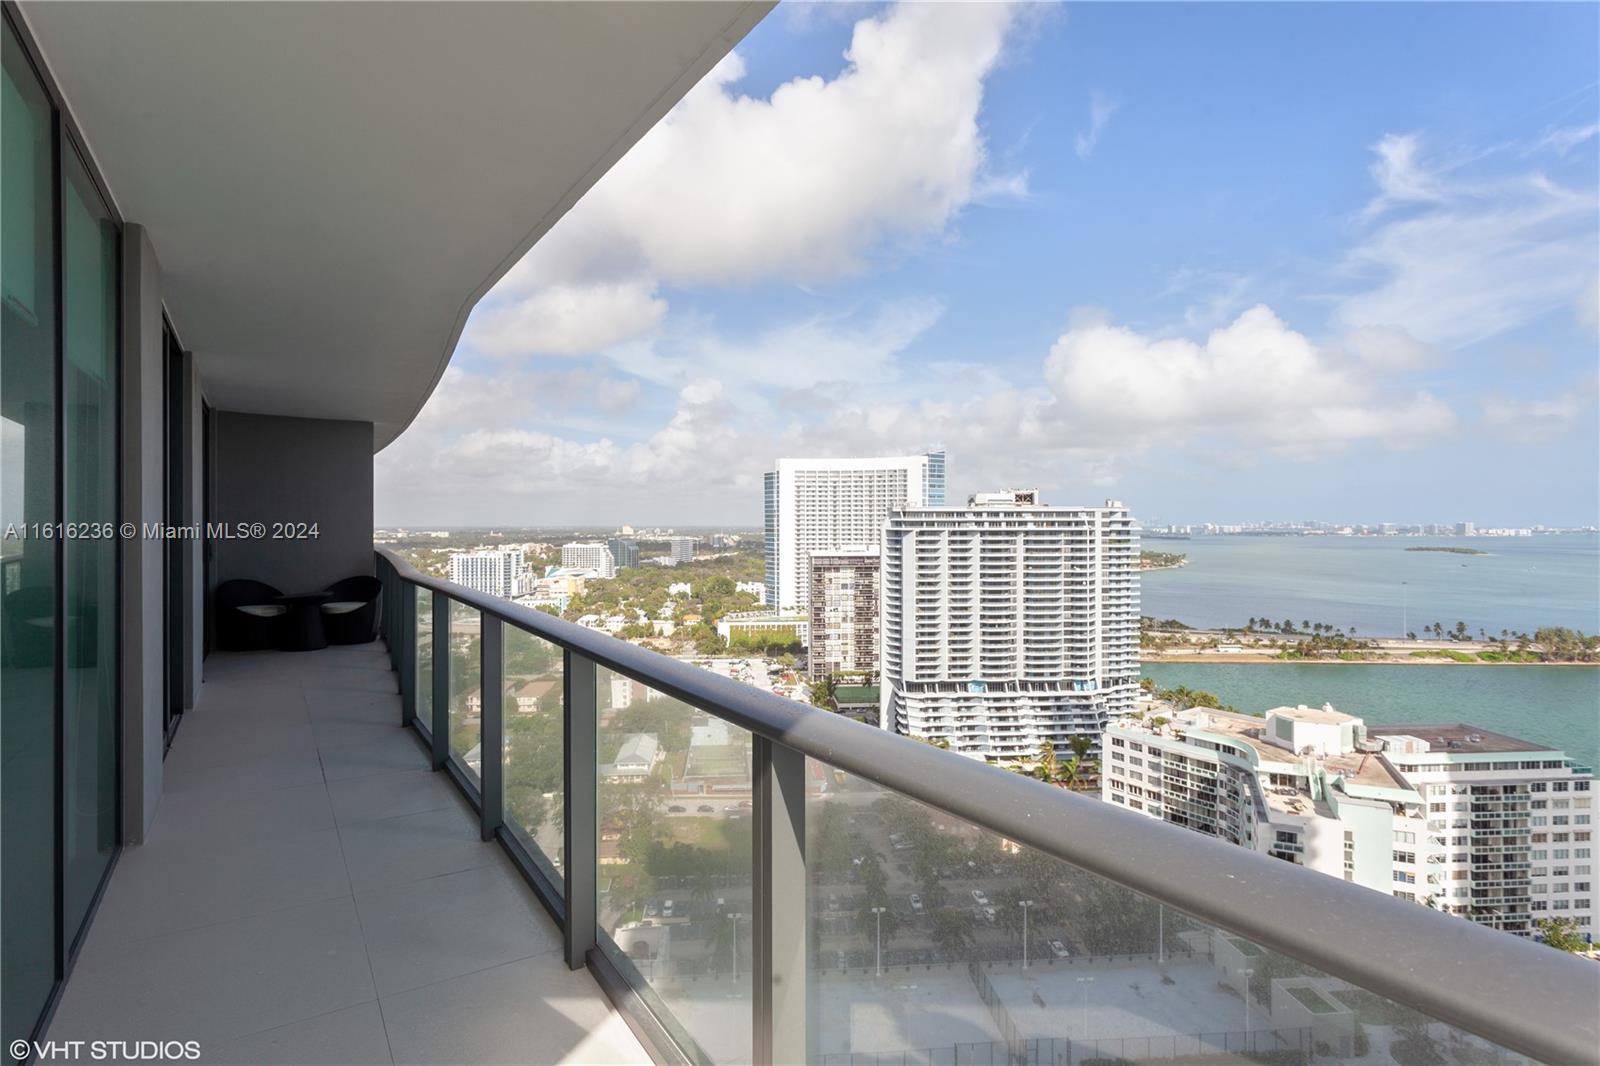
1379, 659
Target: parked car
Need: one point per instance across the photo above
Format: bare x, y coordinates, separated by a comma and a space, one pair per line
979, 898
676, 809
651, 910
916, 903
1059, 950
706, 808
666, 909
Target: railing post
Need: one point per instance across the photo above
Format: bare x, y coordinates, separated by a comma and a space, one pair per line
491, 690
580, 706
781, 1003
440, 726
407, 608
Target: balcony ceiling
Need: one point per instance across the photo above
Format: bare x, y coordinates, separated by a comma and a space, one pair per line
330, 188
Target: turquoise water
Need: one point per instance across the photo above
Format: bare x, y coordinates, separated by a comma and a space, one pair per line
1374, 584
1555, 705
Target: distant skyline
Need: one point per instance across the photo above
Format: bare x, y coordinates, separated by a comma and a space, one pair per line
1211, 260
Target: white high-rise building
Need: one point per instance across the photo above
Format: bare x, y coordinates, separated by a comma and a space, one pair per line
681, 549
828, 505
1007, 623
589, 555
1470, 822
495, 573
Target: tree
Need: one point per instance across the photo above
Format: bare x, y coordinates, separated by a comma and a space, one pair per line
1046, 768
952, 932
1561, 934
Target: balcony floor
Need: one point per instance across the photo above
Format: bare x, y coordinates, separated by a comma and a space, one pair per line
311, 893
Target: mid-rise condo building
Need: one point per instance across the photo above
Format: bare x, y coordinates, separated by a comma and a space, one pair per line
624, 551
494, 573
1008, 623
588, 555
681, 549
824, 505
1462, 819
844, 613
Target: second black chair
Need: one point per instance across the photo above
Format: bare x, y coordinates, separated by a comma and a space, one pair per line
351, 616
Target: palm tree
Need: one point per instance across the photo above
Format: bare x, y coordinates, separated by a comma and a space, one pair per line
1046, 767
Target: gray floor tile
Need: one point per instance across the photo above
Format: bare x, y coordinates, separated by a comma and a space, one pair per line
283, 769
335, 734
525, 1012
183, 884
354, 1036
389, 795
223, 981
240, 817
446, 926
398, 751
393, 851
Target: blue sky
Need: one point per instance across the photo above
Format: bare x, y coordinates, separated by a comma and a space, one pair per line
1220, 261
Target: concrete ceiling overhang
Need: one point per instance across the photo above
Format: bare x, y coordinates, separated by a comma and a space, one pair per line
331, 187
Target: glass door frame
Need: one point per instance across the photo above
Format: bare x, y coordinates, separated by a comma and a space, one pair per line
64, 139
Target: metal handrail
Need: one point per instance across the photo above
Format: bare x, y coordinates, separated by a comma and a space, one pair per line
1515, 992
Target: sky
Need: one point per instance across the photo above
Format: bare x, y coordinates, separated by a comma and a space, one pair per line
1223, 262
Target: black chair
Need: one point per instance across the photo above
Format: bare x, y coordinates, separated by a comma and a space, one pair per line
351, 615
249, 616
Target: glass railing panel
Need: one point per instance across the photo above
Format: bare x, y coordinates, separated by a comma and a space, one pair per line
466, 694
534, 738
935, 941
424, 680
675, 892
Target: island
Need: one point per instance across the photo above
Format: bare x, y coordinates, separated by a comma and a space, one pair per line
1161, 560
1450, 551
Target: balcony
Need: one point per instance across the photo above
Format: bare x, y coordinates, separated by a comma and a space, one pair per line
310, 891
388, 891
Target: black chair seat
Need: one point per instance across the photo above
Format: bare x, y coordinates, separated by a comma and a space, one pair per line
351, 614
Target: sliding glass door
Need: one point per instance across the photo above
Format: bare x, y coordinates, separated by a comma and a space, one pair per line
59, 576
28, 466
89, 571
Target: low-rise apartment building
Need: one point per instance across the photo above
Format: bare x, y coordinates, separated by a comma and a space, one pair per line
1462, 819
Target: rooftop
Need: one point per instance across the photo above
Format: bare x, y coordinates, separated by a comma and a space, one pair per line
1325, 714
1458, 737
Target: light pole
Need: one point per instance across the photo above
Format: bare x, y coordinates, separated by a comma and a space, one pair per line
1024, 904
1161, 934
877, 913
1247, 975
1085, 982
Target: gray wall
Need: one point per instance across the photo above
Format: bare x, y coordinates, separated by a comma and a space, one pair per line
272, 469
142, 640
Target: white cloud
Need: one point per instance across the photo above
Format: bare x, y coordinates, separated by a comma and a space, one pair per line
1254, 380
568, 320
1101, 108
1534, 421
1470, 260
1390, 348
862, 349
1564, 139
1103, 397
802, 186
1399, 174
